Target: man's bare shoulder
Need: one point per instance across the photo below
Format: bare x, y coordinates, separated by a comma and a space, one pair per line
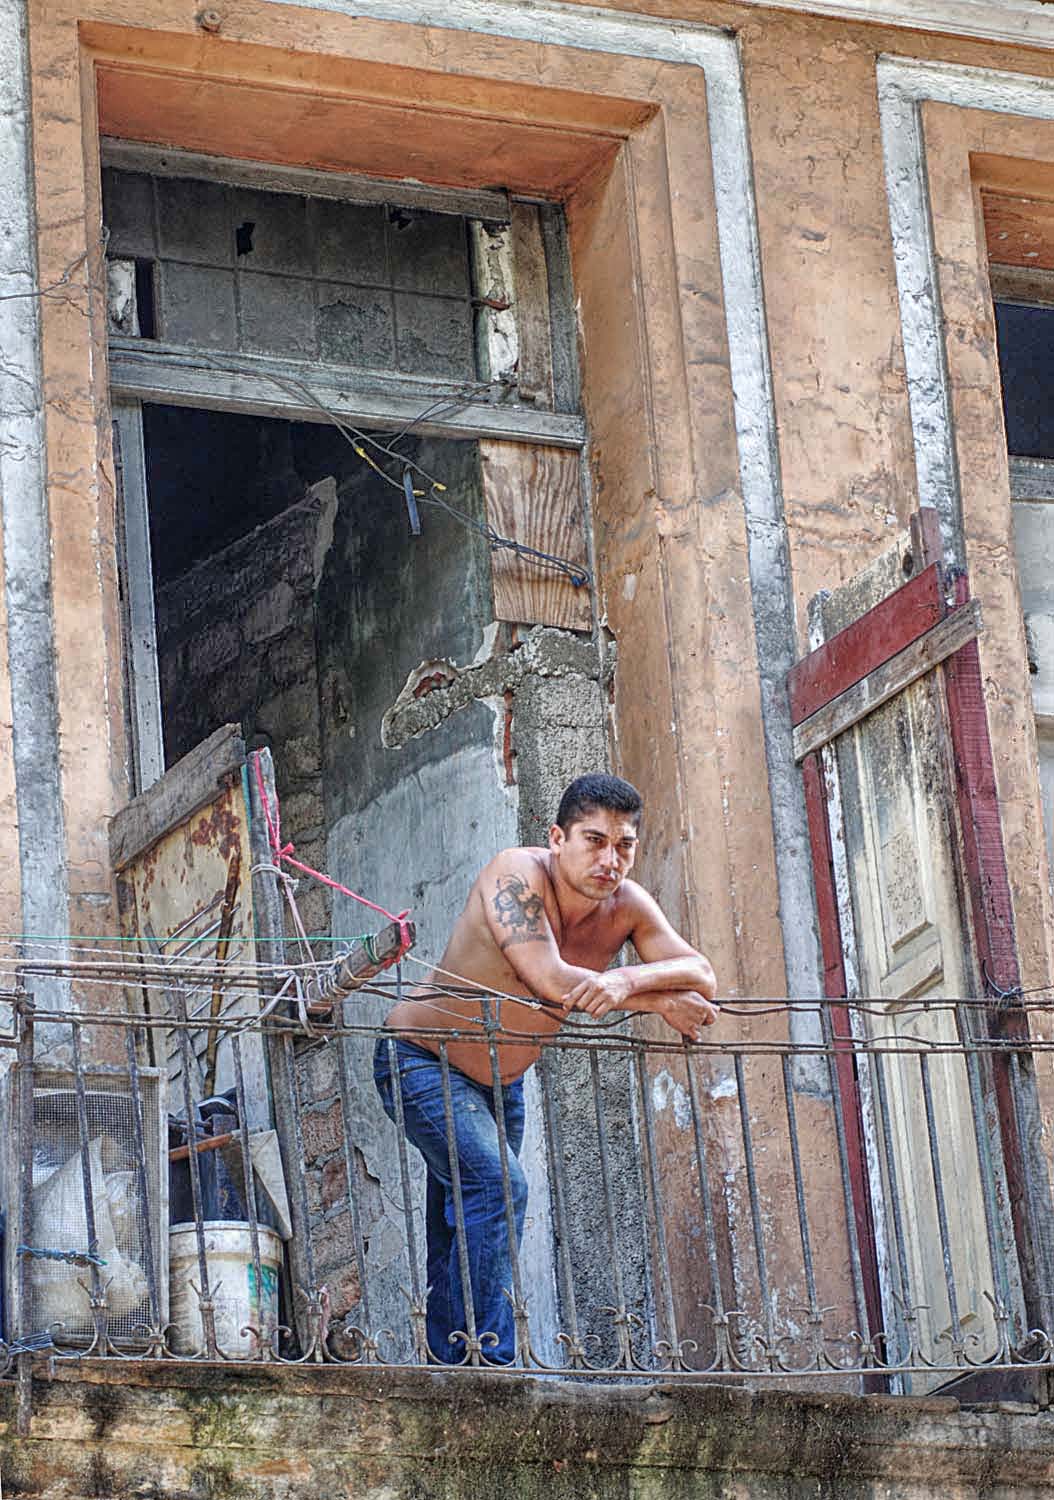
636, 897
635, 906
529, 863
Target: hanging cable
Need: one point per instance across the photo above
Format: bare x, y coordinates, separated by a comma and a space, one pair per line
577, 573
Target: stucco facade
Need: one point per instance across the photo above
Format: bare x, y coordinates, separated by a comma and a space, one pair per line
786, 343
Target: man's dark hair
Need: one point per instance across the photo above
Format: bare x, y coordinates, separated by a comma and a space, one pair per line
587, 793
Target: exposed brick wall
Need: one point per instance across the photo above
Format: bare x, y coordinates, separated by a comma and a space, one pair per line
236, 642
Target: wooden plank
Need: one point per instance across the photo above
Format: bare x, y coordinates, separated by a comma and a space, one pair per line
270, 930
1019, 231
835, 988
927, 544
365, 958
988, 884
242, 383
534, 374
188, 785
961, 626
978, 799
563, 326
865, 644
1021, 284
533, 496
137, 577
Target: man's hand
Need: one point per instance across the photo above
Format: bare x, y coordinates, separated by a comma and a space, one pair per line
600, 993
688, 1012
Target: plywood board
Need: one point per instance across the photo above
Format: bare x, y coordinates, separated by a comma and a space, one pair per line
533, 496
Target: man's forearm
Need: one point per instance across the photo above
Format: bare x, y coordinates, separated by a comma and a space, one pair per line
559, 980
692, 973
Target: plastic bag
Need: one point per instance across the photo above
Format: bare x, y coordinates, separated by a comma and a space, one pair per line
57, 1289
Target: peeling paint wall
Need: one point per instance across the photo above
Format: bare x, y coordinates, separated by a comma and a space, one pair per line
686, 568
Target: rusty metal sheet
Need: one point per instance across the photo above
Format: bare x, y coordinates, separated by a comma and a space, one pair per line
188, 898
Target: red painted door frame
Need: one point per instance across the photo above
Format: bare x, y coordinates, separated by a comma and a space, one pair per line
813, 682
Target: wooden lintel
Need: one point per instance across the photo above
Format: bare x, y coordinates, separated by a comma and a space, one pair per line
296, 392
188, 785
899, 672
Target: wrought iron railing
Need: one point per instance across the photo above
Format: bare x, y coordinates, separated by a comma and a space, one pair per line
866, 1203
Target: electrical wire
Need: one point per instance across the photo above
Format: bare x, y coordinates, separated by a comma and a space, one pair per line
577, 573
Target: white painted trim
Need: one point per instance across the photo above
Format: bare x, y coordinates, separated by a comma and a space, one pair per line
904, 84
716, 52
26, 539
1025, 22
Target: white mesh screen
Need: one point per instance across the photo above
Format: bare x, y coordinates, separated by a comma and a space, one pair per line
56, 1291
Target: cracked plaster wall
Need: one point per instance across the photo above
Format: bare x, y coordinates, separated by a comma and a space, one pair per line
670, 514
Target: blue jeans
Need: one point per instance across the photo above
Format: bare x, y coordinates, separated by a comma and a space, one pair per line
482, 1195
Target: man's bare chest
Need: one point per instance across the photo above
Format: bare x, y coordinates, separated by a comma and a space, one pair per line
591, 944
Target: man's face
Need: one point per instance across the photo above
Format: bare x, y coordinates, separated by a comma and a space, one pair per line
595, 854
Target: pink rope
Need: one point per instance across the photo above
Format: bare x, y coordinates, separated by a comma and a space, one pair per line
283, 854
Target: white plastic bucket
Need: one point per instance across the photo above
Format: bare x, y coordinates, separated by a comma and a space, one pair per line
239, 1302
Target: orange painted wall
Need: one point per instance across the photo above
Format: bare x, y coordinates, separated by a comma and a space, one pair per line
624, 143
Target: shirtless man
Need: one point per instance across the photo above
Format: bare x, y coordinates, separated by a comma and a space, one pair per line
542, 923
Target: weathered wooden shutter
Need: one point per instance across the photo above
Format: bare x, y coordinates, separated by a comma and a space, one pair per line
914, 904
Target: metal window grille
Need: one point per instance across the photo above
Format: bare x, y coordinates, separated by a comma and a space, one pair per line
132, 1253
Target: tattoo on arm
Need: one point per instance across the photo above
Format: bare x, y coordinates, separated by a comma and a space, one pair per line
520, 911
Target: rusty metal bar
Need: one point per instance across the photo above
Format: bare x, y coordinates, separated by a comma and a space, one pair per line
98, 1299
519, 1307
702, 1168
621, 1311
352, 1176
799, 1194
743, 1200
760, 1257
855, 1262
24, 1116
418, 1313
473, 1351
249, 1184
657, 1218
142, 1179
908, 1318
554, 1150
206, 1306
